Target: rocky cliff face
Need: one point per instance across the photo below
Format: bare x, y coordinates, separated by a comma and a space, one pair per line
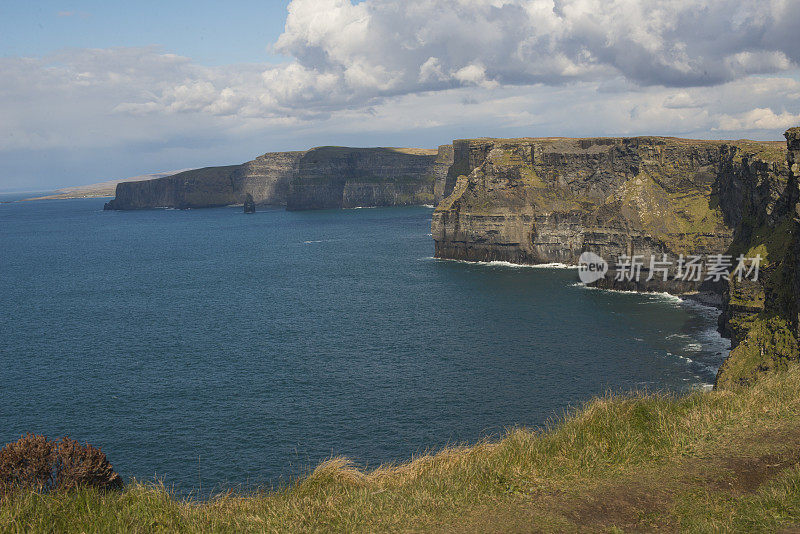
336, 177
761, 317
326, 177
441, 167
266, 178
549, 199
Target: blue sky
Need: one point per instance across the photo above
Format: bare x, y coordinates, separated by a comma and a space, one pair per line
212, 33
92, 91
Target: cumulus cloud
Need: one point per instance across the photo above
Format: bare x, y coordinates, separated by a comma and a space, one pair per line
344, 54
758, 119
457, 67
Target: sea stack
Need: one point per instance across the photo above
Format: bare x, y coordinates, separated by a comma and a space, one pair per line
249, 204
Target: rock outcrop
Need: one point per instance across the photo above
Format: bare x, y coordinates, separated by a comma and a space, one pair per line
325, 177
249, 204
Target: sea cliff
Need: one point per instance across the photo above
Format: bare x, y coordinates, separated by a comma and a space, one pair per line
550, 199
324, 177
337, 177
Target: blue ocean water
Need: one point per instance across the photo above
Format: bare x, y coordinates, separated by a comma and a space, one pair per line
212, 348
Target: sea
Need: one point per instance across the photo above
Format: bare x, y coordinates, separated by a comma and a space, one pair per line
211, 350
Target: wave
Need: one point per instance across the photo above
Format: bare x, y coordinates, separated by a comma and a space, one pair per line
706, 345
661, 295
499, 263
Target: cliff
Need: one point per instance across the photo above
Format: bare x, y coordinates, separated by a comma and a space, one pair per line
550, 199
266, 178
325, 177
761, 317
441, 171
338, 177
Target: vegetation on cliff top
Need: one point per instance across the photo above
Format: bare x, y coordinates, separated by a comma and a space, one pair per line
709, 461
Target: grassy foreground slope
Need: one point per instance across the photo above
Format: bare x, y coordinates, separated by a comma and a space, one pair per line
709, 461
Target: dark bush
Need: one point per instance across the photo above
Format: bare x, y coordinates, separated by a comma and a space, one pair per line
35, 463
27, 464
83, 465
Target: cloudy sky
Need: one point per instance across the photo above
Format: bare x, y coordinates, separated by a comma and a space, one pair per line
91, 91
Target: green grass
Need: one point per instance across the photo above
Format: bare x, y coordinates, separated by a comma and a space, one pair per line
658, 446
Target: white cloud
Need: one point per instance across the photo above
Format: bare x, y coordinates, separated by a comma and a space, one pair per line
461, 67
347, 55
758, 119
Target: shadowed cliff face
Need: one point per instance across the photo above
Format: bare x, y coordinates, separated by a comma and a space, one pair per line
548, 200
266, 178
337, 177
761, 318
326, 177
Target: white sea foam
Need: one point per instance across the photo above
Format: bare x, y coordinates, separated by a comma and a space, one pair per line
677, 336
659, 296
707, 344
310, 242
431, 206
498, 263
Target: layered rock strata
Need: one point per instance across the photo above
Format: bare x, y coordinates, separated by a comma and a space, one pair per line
325, 177
548, 200
336, 177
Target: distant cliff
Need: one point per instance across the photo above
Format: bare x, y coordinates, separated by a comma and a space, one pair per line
336, 177
101, 189
325, 177
266, 178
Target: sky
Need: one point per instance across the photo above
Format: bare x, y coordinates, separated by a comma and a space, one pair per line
92, 91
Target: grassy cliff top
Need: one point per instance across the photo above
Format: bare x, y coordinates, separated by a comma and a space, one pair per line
650, 138
388, 150
704, 462
767, 150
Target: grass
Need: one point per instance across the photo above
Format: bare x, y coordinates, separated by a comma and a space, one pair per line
703, 462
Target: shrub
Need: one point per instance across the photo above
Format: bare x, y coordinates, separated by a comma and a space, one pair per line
34, 463
27, 464
83, 465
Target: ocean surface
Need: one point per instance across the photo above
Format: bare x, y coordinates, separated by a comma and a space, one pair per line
212, 349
